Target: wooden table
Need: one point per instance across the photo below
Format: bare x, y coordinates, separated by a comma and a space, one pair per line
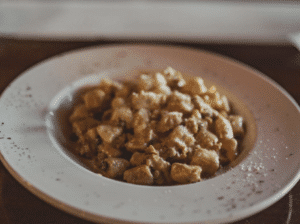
17, 205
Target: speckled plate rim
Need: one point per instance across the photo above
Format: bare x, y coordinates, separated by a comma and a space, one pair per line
229, 208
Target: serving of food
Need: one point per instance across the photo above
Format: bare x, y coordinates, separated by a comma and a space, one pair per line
150, 138
162, 130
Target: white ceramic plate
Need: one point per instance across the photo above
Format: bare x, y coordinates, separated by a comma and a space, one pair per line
32, 152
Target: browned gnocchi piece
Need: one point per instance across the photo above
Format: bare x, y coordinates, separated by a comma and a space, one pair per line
174, 78
195, 86
122, 114
139, 175
80, 112
108, 133
115, 167
203, 107
147, 100
180, 102
208, 160
94, 99
169, 120
237, 123
185, 174
230, 147
207, 139
223, 128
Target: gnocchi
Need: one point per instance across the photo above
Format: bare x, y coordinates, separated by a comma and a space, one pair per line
160, 130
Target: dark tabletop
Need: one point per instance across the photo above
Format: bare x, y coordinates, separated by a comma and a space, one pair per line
17, 205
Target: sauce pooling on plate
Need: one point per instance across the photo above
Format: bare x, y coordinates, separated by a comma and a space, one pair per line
160, 130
